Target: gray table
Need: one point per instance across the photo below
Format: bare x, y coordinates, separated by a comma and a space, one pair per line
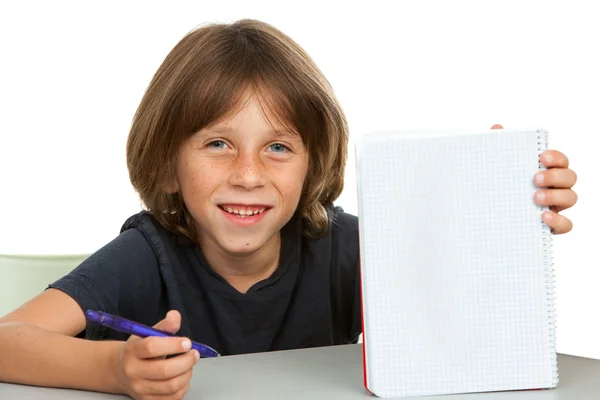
320, 373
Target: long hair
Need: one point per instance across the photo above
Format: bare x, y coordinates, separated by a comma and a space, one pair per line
202, 81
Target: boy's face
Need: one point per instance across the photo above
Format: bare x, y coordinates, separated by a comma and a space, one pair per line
241, 180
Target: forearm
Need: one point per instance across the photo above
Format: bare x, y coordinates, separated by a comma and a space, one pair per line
34, 356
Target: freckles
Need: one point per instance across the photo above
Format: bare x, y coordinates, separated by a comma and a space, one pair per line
200, 178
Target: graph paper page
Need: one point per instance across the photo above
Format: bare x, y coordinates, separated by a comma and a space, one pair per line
455, 264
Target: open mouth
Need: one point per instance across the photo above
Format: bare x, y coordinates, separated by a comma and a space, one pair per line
243, 211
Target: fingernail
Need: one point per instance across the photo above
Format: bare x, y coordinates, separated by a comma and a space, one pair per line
186, 344
548, 157
547, 216
540, 196
197, 355
539, 178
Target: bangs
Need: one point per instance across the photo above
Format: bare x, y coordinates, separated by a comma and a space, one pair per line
215, 88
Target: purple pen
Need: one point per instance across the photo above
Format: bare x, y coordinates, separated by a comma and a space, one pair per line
134, 328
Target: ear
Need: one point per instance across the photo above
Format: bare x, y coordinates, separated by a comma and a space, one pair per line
172, 186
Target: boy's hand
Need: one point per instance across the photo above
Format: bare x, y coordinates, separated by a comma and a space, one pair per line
145, 373
557, 182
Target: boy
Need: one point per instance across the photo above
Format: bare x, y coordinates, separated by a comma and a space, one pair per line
238, 150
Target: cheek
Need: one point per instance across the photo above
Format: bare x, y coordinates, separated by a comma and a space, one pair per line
293, 188
197, 180
293, 182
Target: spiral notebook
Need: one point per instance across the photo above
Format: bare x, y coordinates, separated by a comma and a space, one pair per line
456, 264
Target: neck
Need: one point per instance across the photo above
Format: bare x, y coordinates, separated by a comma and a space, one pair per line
243, 271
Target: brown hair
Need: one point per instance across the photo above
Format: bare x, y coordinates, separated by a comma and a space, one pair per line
202, 80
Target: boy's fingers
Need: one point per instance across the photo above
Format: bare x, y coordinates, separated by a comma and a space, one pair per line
171, 323
154, 346
559, 223
561, 177
160, 370
560, 199
556, 177
169, 386
554, 159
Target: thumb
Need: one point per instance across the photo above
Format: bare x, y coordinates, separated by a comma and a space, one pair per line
171, 323
497, 126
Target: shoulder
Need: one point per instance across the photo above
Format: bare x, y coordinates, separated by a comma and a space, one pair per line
121, 266
343, 230
339, 243
131, 247
160, 240
123, 253
341, 222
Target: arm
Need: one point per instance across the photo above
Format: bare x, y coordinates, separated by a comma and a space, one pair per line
38, 347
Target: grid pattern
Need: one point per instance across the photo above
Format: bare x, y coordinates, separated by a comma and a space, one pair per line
454, 264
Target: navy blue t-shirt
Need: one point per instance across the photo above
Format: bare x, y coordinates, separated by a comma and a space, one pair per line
312, 299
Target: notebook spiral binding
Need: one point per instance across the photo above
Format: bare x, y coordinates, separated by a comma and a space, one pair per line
549, 268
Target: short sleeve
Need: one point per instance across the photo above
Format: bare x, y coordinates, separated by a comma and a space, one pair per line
114, 277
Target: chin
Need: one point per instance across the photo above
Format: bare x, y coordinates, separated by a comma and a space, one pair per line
241, 247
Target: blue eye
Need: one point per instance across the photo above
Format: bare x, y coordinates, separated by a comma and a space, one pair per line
217, 144
278, 148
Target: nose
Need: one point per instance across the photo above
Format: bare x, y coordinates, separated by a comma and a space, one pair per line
248, 172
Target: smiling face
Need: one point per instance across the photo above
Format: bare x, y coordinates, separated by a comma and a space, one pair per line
241, 180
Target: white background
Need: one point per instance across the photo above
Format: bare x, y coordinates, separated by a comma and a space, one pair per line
72, 74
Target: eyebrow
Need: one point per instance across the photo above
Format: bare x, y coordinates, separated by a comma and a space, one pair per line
282, 133
285, 133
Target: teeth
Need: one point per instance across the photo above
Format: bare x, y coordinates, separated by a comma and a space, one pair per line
244, 211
